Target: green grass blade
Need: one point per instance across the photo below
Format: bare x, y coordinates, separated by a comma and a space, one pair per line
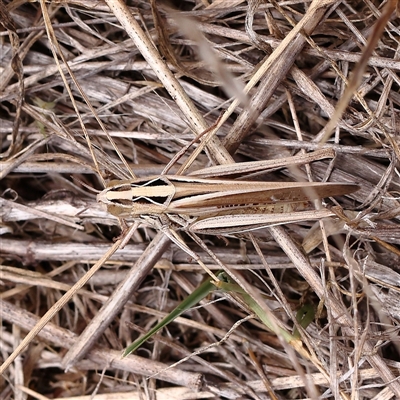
202, 291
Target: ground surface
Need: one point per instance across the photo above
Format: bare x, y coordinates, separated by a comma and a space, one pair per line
140, 85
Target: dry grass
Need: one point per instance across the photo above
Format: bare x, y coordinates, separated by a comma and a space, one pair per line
60, 133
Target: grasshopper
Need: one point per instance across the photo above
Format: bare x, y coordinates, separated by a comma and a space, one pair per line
217, 206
